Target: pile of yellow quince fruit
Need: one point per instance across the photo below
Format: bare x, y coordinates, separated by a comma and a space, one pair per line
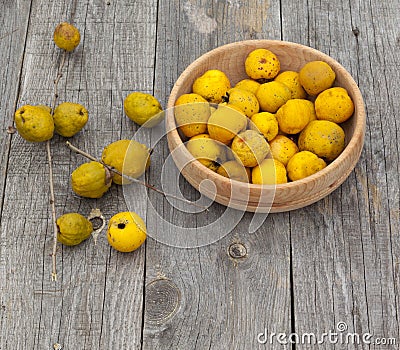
271, 127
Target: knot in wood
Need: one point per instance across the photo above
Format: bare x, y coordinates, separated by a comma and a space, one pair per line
162, 300
237, 250
356, 31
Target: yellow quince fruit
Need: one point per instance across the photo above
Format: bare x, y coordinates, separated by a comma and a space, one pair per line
129, 157
69, 118
66, 36
144, 109
34, 123
73, 228
91, 180
126, 232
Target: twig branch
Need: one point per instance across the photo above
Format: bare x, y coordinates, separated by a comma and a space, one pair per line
9, 33
129, 178
56, 81
53, 212
50, 164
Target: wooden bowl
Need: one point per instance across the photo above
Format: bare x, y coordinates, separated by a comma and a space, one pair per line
293, 195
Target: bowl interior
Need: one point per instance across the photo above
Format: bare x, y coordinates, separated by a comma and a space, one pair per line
230, 59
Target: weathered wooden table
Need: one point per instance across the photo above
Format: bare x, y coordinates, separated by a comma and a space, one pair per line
329, 267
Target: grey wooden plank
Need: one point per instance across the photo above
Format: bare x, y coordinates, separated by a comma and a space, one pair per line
320, 266
97, 301
14, 17
207, 299
379, 180
343, 247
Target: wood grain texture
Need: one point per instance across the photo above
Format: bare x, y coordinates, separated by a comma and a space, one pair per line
12, 44
302, 271
97, 301
14, 17
225, 302
344, 261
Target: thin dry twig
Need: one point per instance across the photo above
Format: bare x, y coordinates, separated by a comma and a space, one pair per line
50, 164
143, 183
53, 212
9, 33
